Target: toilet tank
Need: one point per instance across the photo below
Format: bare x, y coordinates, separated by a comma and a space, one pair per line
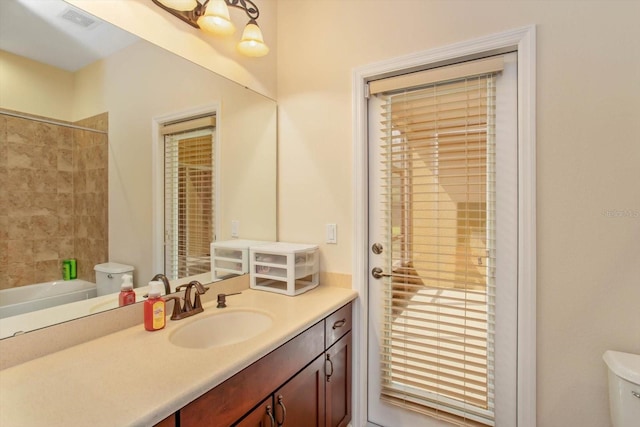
109, 277
624, 388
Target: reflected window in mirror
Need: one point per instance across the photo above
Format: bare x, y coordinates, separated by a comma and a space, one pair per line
190, 195
121, 211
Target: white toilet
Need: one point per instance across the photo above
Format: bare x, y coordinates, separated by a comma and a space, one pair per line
624, 388
109, 277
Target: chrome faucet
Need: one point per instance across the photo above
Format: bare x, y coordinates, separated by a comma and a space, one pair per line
189, 308
162, 278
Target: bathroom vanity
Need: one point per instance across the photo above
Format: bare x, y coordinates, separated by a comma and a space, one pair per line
306, 381
300, 364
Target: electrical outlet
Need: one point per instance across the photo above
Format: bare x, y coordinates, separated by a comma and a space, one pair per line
235, 228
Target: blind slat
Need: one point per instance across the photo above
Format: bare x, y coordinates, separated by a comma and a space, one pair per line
434, 353
438, 206
189, 196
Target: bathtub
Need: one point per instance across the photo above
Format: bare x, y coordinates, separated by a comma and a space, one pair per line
25, 299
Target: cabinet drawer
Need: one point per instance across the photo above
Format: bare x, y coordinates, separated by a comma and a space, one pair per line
337, 324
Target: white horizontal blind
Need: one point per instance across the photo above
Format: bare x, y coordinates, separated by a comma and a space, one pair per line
438, 327
189, 199
478, 67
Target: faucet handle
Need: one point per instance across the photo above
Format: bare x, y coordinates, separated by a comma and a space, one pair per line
187, 296
177, 311
197, 304
200, 288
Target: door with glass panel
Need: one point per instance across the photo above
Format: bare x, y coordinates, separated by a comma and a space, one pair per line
190, 199
443, 241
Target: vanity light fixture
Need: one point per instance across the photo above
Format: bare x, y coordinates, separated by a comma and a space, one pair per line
212, 16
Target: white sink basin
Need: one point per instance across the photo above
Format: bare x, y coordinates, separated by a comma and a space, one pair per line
222, 328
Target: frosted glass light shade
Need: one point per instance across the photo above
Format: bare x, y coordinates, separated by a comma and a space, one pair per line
183, 5
252, 43
216, 19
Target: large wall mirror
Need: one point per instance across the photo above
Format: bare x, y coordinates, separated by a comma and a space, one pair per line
104, 116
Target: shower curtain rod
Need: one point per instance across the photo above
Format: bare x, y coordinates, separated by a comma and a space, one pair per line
51, 122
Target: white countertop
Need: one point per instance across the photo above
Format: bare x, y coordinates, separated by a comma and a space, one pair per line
62, 313
135, 378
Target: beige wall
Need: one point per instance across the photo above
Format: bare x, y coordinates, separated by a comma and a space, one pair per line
587, 150
37, 88
144, 19
247, 140
588, 154
247, 132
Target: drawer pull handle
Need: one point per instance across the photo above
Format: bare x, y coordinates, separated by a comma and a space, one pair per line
339, 323
635, 394
270, 413
284, 411
331, 366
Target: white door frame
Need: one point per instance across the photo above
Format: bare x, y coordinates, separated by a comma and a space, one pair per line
522, 39
157, 171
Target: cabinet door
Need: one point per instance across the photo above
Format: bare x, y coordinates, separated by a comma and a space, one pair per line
338, 383
230, 401
170, 421
262, 416
301, 401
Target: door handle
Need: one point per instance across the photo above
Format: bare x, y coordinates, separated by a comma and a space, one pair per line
328, 359
339, 324
284, 411
270, 413
377, 273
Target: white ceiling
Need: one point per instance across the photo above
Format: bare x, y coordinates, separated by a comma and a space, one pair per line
37, 30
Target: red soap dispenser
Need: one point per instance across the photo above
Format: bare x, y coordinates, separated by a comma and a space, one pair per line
127, 295
154, 308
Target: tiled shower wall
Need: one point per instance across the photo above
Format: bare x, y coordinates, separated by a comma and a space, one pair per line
53, 199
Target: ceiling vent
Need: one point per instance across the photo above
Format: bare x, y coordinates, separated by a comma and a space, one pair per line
78, 18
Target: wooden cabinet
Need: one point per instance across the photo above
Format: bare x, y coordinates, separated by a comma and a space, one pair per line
320, 395
170, 421
261, 416
338, 383
304, 382
336, 325
227, 403
338, 367
301, 401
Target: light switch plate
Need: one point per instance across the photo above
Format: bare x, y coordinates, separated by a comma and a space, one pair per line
332, 233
